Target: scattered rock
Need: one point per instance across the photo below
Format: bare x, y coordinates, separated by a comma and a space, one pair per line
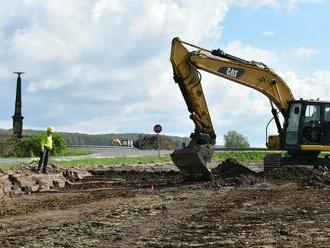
59, 183
27, 182
284, 231
117, 238
75, 175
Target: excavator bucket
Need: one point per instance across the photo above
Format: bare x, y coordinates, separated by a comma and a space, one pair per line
192, 162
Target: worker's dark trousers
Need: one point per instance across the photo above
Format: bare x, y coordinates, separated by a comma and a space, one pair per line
43, 160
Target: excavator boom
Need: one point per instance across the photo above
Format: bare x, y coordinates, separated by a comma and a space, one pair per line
252, 74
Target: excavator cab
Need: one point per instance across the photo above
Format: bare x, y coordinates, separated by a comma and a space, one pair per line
308, 126
306, 133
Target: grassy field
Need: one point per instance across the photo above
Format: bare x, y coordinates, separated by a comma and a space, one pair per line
218, 156
248, 156
6, 167
17, 165
93, 162
66, 153
74, 152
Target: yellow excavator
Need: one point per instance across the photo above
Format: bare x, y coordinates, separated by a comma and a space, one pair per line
116, 142
304, 133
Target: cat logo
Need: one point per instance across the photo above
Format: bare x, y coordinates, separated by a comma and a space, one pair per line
231, 71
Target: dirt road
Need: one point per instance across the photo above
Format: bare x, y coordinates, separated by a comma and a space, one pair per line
152, 206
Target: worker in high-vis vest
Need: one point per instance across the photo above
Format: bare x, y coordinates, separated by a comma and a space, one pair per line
46, 146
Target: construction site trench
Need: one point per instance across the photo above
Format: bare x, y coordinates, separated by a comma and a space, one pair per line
152, 205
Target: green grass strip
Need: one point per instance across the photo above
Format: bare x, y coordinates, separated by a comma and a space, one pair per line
243, 156
74, 152
17, 165
115, 161
7, 167
248, 156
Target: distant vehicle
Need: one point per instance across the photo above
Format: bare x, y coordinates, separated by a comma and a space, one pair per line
124, 142
116, 142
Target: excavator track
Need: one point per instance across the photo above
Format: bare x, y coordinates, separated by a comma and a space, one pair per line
193, 162
273, 161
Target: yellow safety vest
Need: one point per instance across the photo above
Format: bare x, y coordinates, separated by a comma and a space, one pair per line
47, 142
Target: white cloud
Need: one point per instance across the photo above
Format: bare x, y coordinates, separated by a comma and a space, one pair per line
114, 54
103, 66
312, 86
106, 5
248, 52
92, 126
259, 3
47, 84
268, 34
303, 52
42, 46
283, 4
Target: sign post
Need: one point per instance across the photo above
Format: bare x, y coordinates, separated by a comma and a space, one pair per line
157, 130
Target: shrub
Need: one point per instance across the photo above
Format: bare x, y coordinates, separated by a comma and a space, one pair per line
59, 144
29, 146
6, 146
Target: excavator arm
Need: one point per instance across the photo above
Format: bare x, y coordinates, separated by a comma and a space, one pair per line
252, 74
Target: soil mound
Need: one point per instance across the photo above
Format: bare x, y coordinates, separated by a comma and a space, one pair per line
307, 176
150, 142
232, 173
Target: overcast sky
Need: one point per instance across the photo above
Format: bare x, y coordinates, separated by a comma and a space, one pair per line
100, 66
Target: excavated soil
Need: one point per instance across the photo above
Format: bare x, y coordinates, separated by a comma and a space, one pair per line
154, 206
303, 175
231, 172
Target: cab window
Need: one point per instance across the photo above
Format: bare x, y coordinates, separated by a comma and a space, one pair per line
312, 113
327, 113
293, 124
311, 133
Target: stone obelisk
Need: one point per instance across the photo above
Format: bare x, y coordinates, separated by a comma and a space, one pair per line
17, 117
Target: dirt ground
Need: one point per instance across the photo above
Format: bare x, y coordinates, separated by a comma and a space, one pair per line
153, 206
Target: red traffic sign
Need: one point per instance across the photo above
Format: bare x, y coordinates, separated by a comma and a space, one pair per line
157, 128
